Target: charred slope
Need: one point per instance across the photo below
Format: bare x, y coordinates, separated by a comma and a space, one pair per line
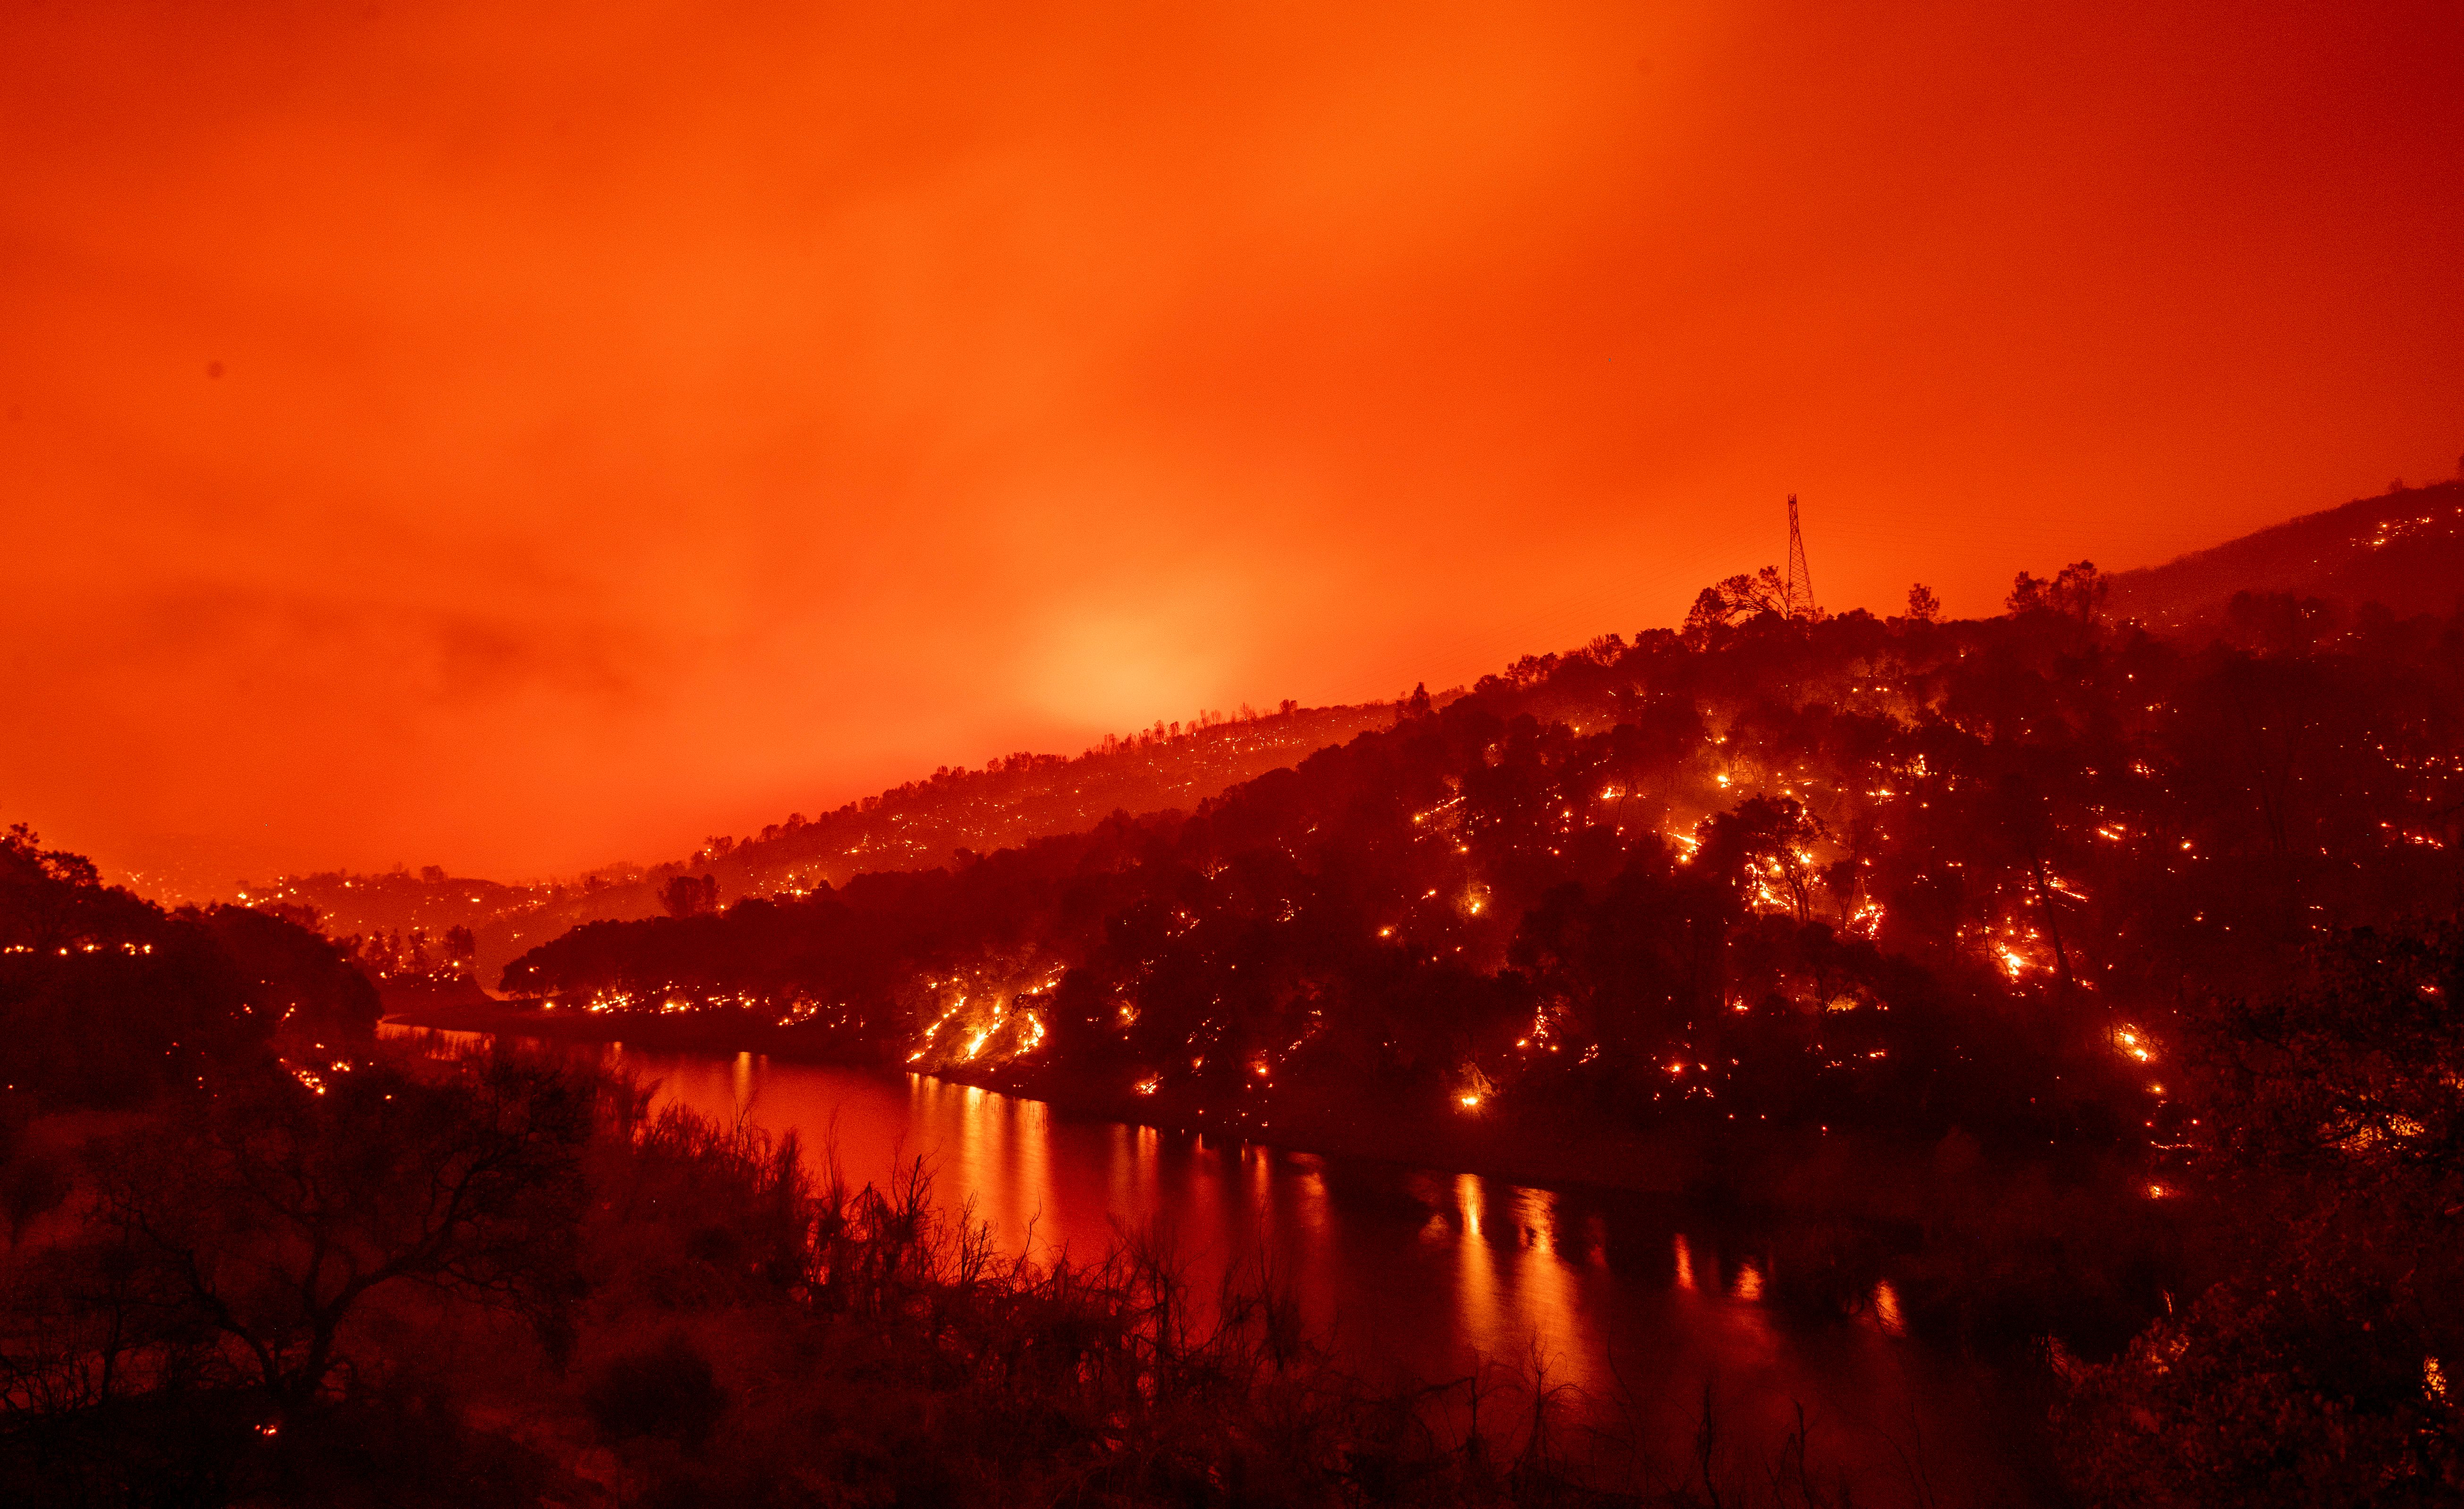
854, 967
1882, 873
106, 998
400, 919
2404, 550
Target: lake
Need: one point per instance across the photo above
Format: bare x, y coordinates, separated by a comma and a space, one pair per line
1636, 1301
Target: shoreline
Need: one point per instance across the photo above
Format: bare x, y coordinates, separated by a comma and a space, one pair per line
1857, 1176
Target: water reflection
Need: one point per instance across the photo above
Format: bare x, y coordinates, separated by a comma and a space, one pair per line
1551, 1299
1412, 1272
1476, 1272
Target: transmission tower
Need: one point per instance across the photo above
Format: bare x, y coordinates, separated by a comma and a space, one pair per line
1800, 576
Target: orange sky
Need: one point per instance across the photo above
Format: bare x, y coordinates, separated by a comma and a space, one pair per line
636, 421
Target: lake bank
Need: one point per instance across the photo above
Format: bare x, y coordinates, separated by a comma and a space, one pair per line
1816, 1174
1414, 1277
2015, 1248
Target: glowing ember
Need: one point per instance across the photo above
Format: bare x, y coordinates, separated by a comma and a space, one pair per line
1886, 1309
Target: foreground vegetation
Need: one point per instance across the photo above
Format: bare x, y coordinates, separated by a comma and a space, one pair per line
495, 1279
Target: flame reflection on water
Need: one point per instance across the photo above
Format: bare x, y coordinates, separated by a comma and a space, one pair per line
1408, 1272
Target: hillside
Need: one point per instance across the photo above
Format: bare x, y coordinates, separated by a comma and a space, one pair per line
1010, 801
1901, 876
2404, 550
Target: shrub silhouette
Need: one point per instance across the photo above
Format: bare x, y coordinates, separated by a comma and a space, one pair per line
665, 1390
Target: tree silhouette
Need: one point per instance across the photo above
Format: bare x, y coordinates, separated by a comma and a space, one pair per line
243, 1236
690, 896
1734, 599
2078, 591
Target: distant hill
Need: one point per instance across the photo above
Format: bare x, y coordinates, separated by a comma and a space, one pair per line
923, 824
2404, 549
